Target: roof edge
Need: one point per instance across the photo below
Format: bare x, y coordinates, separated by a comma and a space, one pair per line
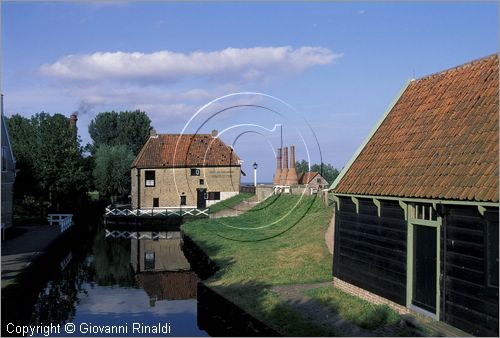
370, 135
138, 157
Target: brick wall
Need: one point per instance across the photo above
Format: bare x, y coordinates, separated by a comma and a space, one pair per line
367, 295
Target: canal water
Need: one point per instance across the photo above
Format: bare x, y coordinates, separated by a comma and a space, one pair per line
122, 284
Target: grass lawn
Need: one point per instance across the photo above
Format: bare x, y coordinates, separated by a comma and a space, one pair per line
354, 309
279, 241
230, 202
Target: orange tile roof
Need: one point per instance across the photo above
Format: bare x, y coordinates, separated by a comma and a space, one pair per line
200, 150
306, 178
439, 141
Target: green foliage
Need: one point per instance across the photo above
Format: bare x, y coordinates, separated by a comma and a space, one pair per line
130, 128
112, 170
328, 171
49, 157
354, 309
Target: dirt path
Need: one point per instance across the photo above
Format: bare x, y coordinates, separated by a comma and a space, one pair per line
237, 209
329, 235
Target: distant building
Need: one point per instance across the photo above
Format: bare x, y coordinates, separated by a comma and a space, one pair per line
416, 223
192, 171
8, 174
314, 181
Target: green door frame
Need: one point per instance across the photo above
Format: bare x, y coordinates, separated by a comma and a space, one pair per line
409, 256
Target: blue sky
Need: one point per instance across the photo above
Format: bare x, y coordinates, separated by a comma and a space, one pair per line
339, 65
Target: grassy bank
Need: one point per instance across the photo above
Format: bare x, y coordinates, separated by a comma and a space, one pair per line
230, 202
280, 241
354, 309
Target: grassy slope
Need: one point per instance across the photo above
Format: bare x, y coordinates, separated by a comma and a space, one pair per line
354, 309
290, 251
230, 202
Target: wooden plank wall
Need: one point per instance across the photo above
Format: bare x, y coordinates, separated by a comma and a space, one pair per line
370, 251
468, 302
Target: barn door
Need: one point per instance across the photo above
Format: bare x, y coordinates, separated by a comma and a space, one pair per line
201, 202
424, 268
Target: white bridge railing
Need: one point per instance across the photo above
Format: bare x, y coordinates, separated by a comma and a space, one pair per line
110, 211
63, 220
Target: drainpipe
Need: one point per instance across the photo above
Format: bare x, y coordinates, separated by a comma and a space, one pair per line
138, 188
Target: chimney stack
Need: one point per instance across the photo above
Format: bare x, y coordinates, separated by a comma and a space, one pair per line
277, 175
284, 171
72, 119
291, 178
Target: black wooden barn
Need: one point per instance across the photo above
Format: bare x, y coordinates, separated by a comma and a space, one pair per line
416, 208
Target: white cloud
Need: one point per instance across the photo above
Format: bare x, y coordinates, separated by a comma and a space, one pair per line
248, 64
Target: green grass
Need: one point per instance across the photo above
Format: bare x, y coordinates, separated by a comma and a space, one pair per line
230, 202
279, 241
354, 309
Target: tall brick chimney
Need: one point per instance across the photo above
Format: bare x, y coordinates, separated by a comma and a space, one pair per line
284, 171
291, 178
277, 175
72, 119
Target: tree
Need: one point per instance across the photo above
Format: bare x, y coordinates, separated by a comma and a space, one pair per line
328, 171
112, 170
49, 157
130, 128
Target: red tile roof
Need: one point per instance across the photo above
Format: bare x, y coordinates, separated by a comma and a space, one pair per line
306, 178
190, 150
439, 141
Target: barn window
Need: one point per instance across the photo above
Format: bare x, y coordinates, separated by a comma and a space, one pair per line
149, 260
423, 211
202, 181
149, 175
214, 195
156, 202
195, 172
183, 200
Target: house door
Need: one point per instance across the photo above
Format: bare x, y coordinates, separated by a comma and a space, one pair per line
424, 268
201, 202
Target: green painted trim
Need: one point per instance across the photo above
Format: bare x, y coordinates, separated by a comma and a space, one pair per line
336, 200
481, 209
409, 265
423, 200
370, 135
356, 203
404, 206
377, 204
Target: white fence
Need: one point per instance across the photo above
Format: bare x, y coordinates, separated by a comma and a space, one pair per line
63, 220
142, 234
175, 211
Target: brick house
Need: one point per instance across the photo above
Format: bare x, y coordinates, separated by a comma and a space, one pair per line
314, 180
192, 171
416, 208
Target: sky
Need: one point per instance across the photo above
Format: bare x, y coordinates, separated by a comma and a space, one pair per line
326, 71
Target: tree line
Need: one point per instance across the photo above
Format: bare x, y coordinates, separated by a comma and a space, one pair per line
54, 170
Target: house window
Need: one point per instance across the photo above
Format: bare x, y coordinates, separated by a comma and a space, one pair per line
195, 172
202, 181
318, 180
214, 196
150, 178
492, 254
4, 158
149, 260
183, 200
156, 202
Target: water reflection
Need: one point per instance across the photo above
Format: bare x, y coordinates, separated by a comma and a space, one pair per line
126, 278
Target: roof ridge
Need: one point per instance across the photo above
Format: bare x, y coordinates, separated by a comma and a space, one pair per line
459, 67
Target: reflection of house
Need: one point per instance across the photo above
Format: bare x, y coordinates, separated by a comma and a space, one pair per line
158, 254
8, 174
314, 180
184, 170
169, 285
417, 208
